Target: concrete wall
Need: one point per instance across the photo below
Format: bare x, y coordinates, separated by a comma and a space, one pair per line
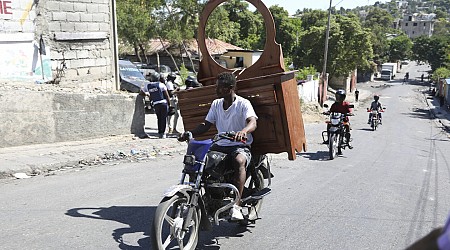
33, 116
309, 91
58, 73
77, 33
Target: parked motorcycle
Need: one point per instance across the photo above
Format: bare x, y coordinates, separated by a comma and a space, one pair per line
205, 195
374, 118
336, 134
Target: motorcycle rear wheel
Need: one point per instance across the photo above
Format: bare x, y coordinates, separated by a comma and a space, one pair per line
167, 225
333, 146
255, 184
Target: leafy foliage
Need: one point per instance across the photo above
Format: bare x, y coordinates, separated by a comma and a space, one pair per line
441, 73
399, 48
349, 44
304, 72
433, 50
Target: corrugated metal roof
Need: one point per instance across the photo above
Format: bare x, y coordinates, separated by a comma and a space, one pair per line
214, 46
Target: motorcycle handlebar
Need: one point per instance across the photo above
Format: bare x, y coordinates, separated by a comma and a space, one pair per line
231, 136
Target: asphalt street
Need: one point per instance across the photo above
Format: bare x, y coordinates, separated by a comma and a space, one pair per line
387, 192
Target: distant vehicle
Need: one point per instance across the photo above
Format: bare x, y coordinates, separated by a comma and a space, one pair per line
144, 68
131, 79
162, 69
388, 71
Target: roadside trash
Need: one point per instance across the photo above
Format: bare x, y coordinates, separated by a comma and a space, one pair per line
134, 151
21, 176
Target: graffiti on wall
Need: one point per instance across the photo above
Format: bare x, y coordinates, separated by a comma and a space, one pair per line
23, 57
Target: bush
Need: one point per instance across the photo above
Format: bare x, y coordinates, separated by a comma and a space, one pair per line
440, 73
304, 72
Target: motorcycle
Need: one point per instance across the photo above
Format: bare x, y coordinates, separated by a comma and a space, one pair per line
336, 134
205, 195
374, 118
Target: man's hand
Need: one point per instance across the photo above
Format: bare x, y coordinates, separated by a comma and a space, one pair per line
241, 136
187, 135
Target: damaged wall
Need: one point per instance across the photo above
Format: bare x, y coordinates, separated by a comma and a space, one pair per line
58, 73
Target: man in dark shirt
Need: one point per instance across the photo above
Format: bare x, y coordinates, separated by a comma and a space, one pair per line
342, 107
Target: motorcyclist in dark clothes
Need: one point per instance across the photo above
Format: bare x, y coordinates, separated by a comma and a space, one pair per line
342, 107
375, 105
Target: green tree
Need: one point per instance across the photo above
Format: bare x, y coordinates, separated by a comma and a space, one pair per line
420, 48
349, 45
134, 22
441, 73
442, 27
219, 26
433, 50
379, 21
400, 48
286, 31
250, 28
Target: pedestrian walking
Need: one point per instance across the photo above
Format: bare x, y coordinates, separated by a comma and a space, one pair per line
157, 91
356, 95
172, 88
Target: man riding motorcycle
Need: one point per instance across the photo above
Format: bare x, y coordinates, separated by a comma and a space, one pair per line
375, 105
342, 107
230, 112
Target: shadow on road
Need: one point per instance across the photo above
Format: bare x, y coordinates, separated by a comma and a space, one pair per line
211, 239
318, 156
138, 219
420, 113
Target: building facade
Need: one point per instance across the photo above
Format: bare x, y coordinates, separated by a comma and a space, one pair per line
417, 25
58, 73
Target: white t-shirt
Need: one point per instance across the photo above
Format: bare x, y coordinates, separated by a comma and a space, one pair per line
232, 119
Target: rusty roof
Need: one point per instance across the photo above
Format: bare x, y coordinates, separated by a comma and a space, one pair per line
215, 47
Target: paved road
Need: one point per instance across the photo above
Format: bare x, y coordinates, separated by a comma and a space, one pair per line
390, 190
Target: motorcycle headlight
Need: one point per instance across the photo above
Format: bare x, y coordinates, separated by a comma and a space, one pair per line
334, 121
189, 159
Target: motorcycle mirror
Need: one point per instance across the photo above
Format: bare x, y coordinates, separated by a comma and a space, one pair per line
351, 106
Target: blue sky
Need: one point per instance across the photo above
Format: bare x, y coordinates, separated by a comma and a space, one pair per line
293, 5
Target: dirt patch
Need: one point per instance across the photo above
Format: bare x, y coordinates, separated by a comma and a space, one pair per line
312, 113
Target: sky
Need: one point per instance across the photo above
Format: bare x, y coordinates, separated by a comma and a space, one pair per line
293, 5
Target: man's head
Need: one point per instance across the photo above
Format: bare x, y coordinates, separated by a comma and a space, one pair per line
226, 84
191, 82
376, 98
171, 77
340, 95
162, 78
153, 77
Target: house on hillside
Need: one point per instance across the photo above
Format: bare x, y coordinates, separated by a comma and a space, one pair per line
416, 25
225, 54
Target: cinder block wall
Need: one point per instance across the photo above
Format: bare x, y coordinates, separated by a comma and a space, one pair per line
84, 101
34, 117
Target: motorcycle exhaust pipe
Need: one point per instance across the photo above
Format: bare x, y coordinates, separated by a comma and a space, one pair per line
229, 205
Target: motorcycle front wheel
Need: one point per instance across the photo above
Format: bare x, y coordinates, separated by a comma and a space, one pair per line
168, 222
333, 146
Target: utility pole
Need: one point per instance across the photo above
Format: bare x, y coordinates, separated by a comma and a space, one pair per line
324, 81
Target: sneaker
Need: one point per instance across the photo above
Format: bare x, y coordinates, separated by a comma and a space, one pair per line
368, 122
162, 136
236, 213
350, 146
326, 142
